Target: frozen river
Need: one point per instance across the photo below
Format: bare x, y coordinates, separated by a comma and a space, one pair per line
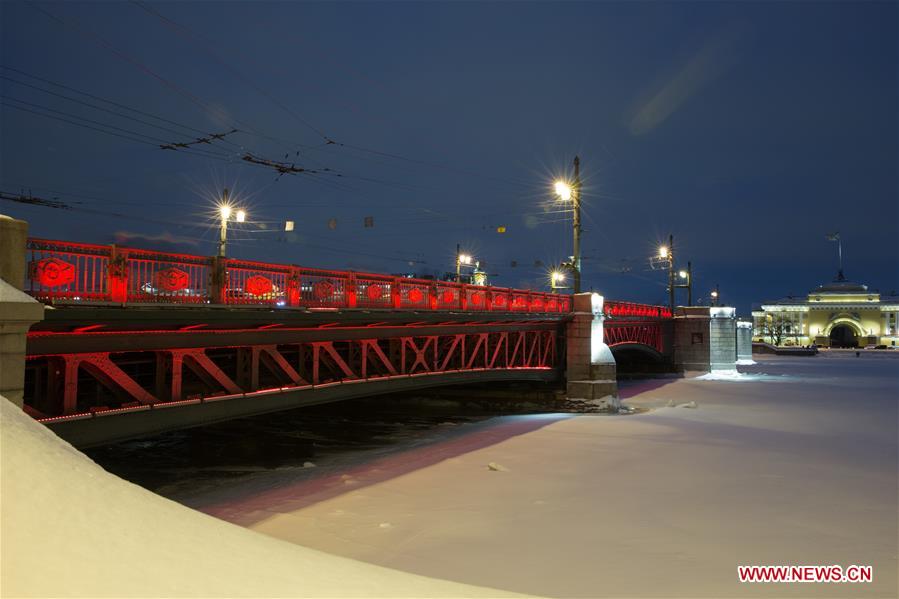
792, 462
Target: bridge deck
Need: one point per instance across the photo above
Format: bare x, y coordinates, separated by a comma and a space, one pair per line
137, 341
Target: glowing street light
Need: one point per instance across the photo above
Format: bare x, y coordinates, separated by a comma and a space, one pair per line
556, 280
462, 259
563, 190
572, 192
677, 278
225, 212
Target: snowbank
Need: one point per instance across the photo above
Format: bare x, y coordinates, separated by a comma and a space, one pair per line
71, 529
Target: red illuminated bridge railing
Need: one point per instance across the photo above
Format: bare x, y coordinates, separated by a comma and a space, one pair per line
60, 271
630, 310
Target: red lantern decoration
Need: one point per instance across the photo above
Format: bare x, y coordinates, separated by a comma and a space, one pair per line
415, 295
171, 279
499, 300
53, 272
374, 292
551, 305
448, 297
537, 303
323, 290
477, 298
258, 285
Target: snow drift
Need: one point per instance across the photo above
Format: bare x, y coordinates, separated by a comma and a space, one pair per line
69, 528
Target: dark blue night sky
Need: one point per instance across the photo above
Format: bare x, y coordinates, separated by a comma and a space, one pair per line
748, 130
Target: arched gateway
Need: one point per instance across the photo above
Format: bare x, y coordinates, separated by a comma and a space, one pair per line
842, 335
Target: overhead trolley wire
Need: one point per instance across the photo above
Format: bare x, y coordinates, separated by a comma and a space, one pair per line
125, 133
183, 31
100, 99
129, 59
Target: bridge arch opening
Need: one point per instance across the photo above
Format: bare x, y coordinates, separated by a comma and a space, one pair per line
638, 358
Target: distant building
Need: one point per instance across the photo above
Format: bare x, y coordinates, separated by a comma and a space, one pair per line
838, 314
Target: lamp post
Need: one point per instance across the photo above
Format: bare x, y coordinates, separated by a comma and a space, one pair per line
572, 192
225, 212
461, 259
556, 281
666, 252
715, 293
677, 279
686, 278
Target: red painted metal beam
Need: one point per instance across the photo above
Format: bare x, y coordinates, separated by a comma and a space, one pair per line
121, 380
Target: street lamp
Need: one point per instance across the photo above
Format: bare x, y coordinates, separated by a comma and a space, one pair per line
225, 212
677, 279
714, 295
572, 192
461, 259
556, 281
563, 190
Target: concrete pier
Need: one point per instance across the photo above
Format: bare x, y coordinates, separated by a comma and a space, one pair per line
591, 370
18, 311
705, 338
744, 342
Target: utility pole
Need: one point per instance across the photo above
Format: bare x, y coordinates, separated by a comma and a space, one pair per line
576, 205
840, 254
689, 283
671, 272
225, 213
458, 263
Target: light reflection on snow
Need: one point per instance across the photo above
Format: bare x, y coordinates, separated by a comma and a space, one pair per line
732, 376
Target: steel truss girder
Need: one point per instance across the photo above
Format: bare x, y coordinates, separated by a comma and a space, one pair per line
644, 333
240, 370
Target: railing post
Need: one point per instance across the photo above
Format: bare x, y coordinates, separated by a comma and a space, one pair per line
463, 296
488, 300
293, 287
350, 294
117, 275
395, 293
432, 295
218, 280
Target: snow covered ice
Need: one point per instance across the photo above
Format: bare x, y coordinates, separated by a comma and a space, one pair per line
70, 529
792, 462
795, 462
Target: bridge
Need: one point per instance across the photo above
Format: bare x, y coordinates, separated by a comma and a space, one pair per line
131, 342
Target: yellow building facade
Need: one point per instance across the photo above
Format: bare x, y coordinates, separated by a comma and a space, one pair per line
838, 314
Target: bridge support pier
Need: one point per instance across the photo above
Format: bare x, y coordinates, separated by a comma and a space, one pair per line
744, 342
705, 339
18, 311
591, 370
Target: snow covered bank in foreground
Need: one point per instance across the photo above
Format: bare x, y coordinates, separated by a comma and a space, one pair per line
662, 504
71, 529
